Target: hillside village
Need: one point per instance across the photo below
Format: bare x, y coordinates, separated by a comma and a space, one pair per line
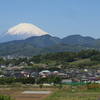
43, 71
54, 64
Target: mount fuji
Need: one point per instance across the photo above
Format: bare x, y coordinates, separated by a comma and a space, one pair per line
20, 32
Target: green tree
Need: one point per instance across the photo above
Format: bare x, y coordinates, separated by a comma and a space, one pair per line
57, 80
64, 65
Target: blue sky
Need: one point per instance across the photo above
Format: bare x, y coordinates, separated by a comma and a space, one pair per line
60, 18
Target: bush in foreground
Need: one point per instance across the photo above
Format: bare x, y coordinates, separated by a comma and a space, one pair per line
2, 97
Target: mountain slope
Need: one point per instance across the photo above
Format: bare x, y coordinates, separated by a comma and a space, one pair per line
38, 41
61, 47
43, 41
21, 49
77, 39
48, 40
27, 50
44, 44
21, 31
95, 43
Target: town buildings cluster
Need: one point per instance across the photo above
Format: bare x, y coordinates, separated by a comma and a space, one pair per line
74, 75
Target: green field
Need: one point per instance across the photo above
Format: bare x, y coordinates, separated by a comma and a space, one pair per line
69, 95
79, 93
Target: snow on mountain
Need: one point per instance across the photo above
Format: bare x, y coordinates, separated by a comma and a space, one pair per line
21, 31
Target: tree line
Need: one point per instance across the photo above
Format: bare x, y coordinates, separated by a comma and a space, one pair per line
60, 57
10, 80
30, 80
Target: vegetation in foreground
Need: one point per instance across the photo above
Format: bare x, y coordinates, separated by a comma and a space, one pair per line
2, 97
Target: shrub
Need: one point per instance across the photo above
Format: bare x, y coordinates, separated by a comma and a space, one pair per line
2, 97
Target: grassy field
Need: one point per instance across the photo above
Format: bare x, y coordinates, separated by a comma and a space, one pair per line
70, 95
79, 61
80, 93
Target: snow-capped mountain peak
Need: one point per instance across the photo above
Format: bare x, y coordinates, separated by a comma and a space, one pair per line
21, 31
26, 28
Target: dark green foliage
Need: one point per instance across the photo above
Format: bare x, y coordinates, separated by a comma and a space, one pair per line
57, 80
87, 54
26, 80
61, 56
65, 65
53, 69
95, 58
49, 80
60, 86
40, 85
2, 97
9, 80
86, 64
36, 59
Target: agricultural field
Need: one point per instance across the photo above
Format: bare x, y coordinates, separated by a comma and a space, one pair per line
79, 93
31, 95
70, 95
33, 92
56, 93
18, 95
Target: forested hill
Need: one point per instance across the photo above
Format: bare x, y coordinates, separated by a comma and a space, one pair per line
66, 56
60, 58
28, 50
48, 44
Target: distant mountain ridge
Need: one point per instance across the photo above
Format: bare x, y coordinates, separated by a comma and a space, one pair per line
76, 39
28, 43
48, 44
48, 40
